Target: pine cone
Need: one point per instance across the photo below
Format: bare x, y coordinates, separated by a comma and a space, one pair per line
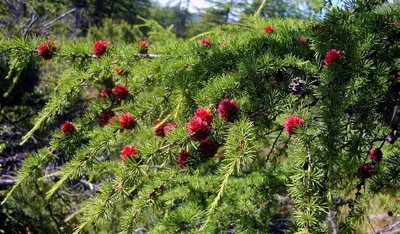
297, 86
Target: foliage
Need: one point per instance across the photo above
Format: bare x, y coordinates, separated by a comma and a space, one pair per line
261, 174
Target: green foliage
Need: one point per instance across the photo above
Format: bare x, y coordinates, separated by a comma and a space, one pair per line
260, 174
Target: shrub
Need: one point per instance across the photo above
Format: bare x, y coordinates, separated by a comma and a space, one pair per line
234, 171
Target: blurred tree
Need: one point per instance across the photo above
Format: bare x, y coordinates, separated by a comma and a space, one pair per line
117, 9
175, 13
66, 18
115, 31
283, 8
229, 11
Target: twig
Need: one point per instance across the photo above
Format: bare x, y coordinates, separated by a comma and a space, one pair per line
308, 185
26, 117
92, 187
369, 222
31, 22
273, 145
87, 56
331, 216
49, 24
147, 55
260, 8
164, 147
389, 229
278, 129
158, 167
48, 206
21, 130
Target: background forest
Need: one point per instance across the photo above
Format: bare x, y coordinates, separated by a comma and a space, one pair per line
94, 19
226, 49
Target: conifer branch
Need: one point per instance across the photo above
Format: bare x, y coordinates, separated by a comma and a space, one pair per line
31, 167
70, 92
17, 66
239, 152
74, 168
116, 189
214, 204
183, 78
143, 201
102, 206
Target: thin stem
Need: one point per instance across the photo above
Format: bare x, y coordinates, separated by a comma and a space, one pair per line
260, 8
331, 216
48, 207
273, 145
308, 185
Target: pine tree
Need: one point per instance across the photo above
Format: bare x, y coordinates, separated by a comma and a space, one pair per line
230, 134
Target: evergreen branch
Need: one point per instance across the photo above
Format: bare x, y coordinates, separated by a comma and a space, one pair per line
240, 151
22, 131
18, 65
43, 117
114, 190
87, 56
231, 168
59, 102
54, 188
72, 169
200, 35
143, 201
31, 167
101, 209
